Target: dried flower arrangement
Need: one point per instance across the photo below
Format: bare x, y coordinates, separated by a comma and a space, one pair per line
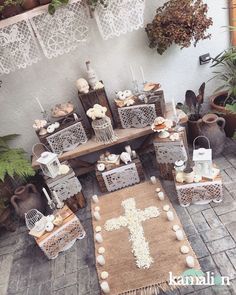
180, 22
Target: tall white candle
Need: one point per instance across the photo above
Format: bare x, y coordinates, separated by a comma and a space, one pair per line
60, 204
47, 195
174, 108
132, 73
39, 103
105, 287
101, 260
142, 73
179, 235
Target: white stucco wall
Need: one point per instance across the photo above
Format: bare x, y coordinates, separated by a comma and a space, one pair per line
53, 81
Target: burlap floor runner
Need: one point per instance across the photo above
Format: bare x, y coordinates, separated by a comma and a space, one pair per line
124, 276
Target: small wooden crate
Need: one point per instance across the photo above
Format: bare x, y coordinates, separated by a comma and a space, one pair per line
202, 191
116, 174
99, 96
168, 152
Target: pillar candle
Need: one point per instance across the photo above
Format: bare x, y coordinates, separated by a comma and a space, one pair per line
142, 73
132, 73
97, 215
190, 261
98, 238
174, 108
39, 103
170, 215
95, 198
105, 287
153, 179
161, 196
179, 235
101, 260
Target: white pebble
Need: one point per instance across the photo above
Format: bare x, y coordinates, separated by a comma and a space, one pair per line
105, 287
97, 208
175, 227
104, 275
190, 261
184, 249
101, 250
158, 189
170, 215
161, 196
166, 208
98, 229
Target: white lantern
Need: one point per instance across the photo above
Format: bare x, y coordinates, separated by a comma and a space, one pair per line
203, 159
49, 164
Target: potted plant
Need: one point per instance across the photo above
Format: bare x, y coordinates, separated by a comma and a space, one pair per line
29, 4
224, 101
9, 8
13, 165
178, 22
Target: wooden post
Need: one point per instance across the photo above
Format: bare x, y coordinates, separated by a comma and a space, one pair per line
232, 20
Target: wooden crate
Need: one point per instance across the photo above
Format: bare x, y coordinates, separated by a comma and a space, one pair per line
202, 191
102, 184
76, 202
99, 96
180, 146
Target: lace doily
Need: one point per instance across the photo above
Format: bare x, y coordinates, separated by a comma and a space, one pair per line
18, 47
119, 17
61, 33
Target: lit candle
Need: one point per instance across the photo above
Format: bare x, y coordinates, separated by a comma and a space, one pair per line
170, 215
39, 103
60, 204
174, 108
47, 195
98, 238
142, 73
95, 198
161, 196
97, 215
101, 260
179, 235
105, 287
153, 179
132, 73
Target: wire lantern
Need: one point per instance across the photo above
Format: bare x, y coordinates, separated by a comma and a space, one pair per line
34, 218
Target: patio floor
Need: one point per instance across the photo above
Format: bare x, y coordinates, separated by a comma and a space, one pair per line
211, 230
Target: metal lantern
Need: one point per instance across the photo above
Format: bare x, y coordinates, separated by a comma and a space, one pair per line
49, 164
202, 158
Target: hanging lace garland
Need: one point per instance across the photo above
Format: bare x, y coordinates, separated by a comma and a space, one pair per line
18, 47
119, 17
61, 33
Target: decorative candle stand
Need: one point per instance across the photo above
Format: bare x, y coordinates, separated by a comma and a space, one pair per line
68, 189
103, 130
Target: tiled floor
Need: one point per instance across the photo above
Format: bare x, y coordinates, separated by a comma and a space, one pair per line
211, 230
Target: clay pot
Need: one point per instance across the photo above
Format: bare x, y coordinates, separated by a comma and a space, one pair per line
11, 10
193, 129
43, 2
26, 198
212, 127
29, 4
230, 118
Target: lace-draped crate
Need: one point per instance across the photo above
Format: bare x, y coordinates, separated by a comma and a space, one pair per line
199, 192
68, 189
120, 177
168, 152
62, 237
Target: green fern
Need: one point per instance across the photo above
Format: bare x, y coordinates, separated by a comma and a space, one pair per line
13, 161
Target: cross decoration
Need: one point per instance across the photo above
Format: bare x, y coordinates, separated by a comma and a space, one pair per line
132, 219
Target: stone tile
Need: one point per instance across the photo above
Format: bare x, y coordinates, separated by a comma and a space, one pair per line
71, 261
225, 266
227, 198
222, 163
232, 256
35, 290
205, 291
225, 208
230, 186
65, 281
228, 217
232, 286
71, 290
211, 218
207, 263
84, 279
221, 290
186, 290
231, 172
225, 177
214, 234
46, 288
59, 265
200, 222
189, 228
198, 246
221, 245
5, 268
231, 227
192, 209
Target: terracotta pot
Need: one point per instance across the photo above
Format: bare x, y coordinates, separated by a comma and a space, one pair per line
230, 118
212, 127
11, 10
27, 198
29, 4
43, 2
